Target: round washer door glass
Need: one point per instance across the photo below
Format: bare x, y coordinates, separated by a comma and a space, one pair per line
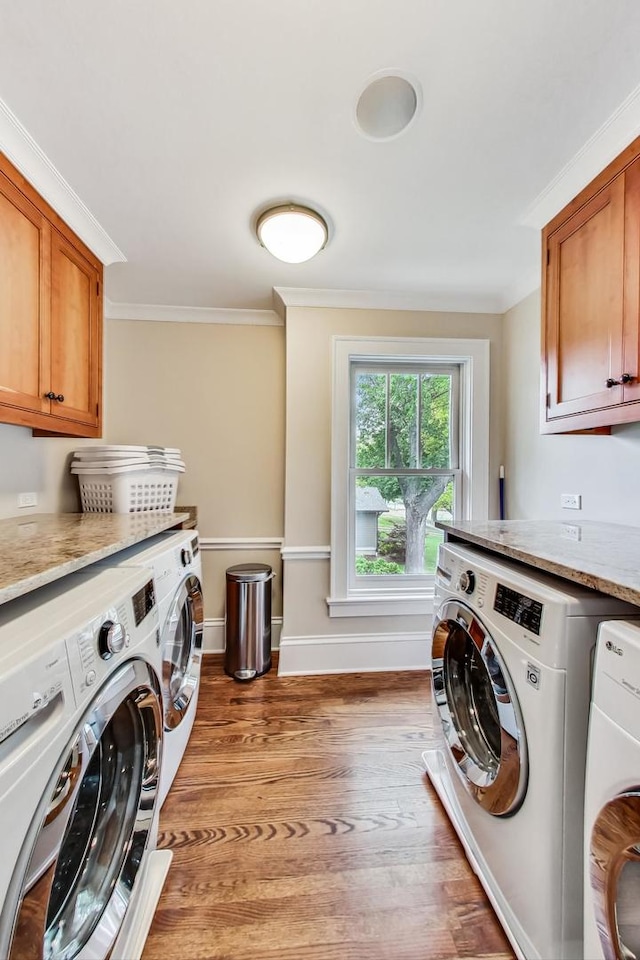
182, 651
478, 710
614, 874
80, 863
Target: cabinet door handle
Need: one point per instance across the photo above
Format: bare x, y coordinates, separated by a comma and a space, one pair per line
54, 396
60, 398
612, 383
627, 378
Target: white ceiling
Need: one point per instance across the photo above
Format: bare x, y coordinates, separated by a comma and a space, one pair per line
175, 122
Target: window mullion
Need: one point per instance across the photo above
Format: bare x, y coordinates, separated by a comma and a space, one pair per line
387, 422
419, 422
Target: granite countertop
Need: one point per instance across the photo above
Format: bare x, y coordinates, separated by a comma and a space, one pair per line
603, 556
41, 547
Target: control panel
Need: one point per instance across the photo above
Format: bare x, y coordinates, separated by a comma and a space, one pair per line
519, 608
111, 638
143, 602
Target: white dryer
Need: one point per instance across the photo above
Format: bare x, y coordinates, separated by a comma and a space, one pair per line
511, 663
612, 799
176, 565
80, 753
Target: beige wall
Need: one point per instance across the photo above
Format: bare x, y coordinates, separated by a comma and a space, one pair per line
308, 446
217, 392
604, 470
214, 390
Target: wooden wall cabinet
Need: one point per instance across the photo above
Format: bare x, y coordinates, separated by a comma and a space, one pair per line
591, 304
50, 317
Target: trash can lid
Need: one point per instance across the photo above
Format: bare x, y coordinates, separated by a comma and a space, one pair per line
249, 571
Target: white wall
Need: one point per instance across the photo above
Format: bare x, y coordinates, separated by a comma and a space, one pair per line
605, 470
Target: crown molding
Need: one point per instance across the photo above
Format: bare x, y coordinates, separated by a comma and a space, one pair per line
33, 163
446, 301
614, 135
175, 314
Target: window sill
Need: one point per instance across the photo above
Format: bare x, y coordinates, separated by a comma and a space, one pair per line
383, 605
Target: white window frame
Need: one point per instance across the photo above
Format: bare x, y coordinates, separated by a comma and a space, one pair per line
472, 357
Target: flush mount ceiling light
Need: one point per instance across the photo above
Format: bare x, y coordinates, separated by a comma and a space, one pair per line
292, 233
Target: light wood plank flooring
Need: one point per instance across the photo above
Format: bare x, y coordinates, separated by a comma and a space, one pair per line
303, 826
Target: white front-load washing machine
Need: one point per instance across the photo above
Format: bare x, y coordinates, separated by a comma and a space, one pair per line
80, 756
612, 799
511, 666
176, 564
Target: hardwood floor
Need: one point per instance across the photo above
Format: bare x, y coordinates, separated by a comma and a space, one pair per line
303, 826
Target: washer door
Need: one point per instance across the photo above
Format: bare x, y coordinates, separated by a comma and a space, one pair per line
79, 865
614, 874
479, 711
182, 651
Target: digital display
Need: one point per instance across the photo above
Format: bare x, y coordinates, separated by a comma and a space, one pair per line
143, 602
515, 606
195, 547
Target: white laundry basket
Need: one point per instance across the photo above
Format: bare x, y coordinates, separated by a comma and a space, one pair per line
128, 490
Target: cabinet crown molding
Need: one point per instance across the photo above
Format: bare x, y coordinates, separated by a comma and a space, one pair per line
24, 153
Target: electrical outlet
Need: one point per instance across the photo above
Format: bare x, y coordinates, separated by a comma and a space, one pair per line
571, 532
27, 500
571, 501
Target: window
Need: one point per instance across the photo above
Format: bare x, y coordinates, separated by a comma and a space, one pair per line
403, 468
410, 431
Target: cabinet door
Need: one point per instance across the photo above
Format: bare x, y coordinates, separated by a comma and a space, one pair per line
24, 324
584, 306
75, 333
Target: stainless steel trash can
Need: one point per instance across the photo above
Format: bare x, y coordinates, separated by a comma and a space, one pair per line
247, 652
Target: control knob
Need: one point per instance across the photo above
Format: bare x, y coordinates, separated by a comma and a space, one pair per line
467, 581
111, 639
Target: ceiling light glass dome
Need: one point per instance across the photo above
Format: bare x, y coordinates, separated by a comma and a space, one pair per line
292, 233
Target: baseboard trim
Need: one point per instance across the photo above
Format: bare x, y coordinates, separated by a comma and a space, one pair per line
361, 653
213, 639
